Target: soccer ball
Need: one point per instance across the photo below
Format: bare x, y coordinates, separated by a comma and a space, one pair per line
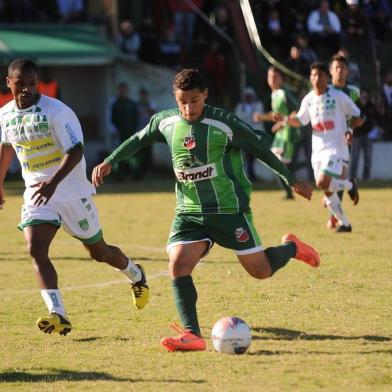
231, 335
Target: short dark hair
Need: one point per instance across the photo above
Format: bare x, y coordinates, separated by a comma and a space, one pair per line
320, 67
189, 79
23, 65
340, 58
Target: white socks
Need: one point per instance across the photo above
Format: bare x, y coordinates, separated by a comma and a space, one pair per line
53, 301
132, 272
335, 206
337, 185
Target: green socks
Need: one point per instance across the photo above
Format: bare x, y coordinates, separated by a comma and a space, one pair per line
279, 256
185, 297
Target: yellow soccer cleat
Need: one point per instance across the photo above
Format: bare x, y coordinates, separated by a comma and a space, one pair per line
54, 323
140, 291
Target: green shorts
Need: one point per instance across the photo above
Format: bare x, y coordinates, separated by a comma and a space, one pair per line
233, 231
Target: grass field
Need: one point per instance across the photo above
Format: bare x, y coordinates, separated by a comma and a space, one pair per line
328, 329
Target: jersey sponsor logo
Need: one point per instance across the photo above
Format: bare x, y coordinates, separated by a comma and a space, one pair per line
241, 235
41, 163
33, 146
71, 133
323, 126
189, 142
197, 174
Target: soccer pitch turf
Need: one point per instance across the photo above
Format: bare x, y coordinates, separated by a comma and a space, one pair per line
324, 329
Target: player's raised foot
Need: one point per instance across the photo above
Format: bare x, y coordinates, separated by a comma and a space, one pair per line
353, 192
54, 323
305, 252
140, 291
332, 222
186, 341
344, 229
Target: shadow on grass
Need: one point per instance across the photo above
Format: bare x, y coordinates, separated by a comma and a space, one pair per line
55, 375
99, 338
290, 334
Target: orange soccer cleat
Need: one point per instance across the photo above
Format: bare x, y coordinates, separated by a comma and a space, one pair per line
305, 252
187, 341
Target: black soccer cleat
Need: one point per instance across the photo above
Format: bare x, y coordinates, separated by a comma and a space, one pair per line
353, 192
344, 229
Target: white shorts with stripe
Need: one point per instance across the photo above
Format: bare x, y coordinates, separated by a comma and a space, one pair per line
78, 217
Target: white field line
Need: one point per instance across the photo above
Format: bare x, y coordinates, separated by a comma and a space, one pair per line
157, 275
150, 277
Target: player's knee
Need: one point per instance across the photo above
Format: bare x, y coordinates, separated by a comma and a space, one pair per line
100, 255
37, 251
178, 268
323, 183
261, 273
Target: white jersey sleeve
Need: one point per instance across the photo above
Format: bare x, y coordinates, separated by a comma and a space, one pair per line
303, 114
3, 134
67, 129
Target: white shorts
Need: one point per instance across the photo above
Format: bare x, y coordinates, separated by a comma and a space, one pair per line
331, 165
78, 217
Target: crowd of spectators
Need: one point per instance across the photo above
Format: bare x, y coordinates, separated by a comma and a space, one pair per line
173, 33
42, 11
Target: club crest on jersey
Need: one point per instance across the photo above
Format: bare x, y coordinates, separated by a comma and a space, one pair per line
83, 224
241, 235
189, 142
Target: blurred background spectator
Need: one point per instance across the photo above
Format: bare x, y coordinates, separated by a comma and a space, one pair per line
5, 94
296, 62
244, 110
361, 141
380, 14
129, 40
307, 53
71, 11
149, 41
184, 21
355, 26
122, 121
146, 108
324, 28
47, 85
386, 105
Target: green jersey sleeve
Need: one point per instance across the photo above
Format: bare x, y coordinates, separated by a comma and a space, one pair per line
258, 144
147, 136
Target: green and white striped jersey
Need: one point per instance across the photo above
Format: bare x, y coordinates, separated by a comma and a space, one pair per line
206, 157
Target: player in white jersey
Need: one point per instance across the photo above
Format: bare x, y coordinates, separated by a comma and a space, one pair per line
327, 110
339, 70
47, 138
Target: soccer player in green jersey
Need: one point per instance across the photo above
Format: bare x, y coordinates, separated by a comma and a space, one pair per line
213, 195
283, 102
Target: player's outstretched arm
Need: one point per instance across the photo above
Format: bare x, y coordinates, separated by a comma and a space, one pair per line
270, 116
303, 189
99, 172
